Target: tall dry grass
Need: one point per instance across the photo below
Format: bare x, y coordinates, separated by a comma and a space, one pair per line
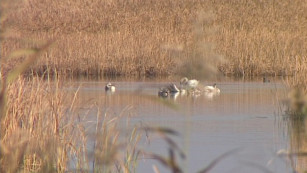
34, 134
43, 130
135, 37
263, 36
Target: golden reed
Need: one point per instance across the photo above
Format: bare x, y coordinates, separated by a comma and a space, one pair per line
149, 38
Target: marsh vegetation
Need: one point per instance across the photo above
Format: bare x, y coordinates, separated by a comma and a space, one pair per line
149, 38
41, 126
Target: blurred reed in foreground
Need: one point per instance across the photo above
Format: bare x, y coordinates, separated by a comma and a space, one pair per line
42, 130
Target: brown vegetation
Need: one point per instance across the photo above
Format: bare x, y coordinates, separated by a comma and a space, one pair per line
131, 38
151, 38
42, 131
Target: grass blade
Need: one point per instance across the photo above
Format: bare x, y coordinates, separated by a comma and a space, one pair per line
218, 159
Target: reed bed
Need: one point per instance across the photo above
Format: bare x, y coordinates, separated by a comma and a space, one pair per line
157, 38
43, 130
34, 121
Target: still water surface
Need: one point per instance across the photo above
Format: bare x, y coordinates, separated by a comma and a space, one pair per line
244, 115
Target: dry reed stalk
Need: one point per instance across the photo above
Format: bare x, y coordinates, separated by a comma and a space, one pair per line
35, 117
129, 38
112, 151
43, 132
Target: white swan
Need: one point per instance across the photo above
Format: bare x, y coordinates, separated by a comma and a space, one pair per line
189, 84
109, 87
212, 89
183, 92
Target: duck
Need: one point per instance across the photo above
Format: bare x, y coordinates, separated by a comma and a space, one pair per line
212, 89
110, 87
174, 96
163, 92
189, 84
173, 88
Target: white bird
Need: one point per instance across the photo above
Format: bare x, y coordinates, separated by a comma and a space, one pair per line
212, 89
189, 84
110, 87
183, 92
210, 95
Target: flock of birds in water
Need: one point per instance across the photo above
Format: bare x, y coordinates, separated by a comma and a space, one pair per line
187, 86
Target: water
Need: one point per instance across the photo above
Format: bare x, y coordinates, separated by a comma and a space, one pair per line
243, 116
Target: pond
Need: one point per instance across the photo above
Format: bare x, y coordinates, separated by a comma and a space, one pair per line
244, 116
